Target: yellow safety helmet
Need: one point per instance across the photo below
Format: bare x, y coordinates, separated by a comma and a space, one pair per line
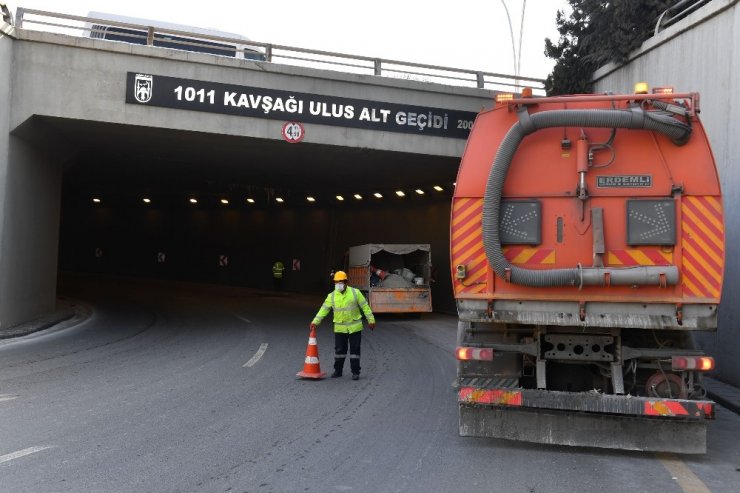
340, 275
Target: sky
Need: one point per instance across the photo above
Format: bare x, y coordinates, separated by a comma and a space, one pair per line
463, 34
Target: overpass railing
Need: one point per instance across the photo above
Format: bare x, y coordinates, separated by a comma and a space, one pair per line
239, 47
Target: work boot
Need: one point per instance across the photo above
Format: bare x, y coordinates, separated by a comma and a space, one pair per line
336, 374
355, 376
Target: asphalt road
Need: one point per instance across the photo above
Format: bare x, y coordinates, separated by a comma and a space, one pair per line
184, 387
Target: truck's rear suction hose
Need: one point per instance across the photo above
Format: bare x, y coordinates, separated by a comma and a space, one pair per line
633, 118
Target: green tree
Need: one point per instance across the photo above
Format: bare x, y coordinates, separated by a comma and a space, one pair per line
597, 32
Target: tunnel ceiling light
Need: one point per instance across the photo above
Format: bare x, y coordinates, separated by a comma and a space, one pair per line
250, 200
420, 191
438, 188
400, 193
358, 196
279, 200
193, 200
378, 195
96, 200
146, 200
310, 199
340, 198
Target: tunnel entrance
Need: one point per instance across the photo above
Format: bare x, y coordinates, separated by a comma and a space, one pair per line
221, 209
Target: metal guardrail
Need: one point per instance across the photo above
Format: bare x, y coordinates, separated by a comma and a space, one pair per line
676, 12
275, 53
6, 20
5, 14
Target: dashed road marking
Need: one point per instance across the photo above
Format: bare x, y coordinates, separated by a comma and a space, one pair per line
7, 397
686, 479
22, 453
254, 359
246, 320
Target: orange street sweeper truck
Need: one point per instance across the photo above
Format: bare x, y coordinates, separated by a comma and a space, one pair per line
587, 247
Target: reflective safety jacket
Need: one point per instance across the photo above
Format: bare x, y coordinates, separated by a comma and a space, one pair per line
348, 308
277, 270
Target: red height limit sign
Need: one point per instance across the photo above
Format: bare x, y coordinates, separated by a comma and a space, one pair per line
293, 132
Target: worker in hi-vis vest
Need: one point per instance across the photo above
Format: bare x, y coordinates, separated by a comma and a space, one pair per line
277, 274
348, 305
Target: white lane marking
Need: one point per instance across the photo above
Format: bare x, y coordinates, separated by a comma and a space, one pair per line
254, 359
242, 318
21, 453
7, 397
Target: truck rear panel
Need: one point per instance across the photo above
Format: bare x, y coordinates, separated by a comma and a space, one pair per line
657, 207
406, 300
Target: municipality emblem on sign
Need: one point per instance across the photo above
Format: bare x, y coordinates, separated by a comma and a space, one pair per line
143, 85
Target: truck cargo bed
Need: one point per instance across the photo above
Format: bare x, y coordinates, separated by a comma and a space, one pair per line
396, 278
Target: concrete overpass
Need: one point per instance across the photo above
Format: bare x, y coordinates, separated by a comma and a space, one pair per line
88, 119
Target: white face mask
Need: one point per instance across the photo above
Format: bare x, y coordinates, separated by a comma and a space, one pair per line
340, 286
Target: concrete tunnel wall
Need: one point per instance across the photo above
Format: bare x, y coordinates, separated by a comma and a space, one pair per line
696, 54
30, 187
5, 66
192, 241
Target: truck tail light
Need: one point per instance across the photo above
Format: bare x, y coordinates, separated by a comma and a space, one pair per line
698, 363
474, 353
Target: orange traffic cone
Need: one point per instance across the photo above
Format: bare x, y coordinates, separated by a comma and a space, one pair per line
311, 367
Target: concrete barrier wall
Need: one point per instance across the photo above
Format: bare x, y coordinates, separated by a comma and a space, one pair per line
699, 54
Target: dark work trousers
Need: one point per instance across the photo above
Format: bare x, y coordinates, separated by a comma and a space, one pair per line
341, 341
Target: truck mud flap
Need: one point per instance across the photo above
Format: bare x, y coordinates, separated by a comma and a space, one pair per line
584, 429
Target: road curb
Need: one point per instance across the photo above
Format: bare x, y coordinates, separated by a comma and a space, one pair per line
66, 310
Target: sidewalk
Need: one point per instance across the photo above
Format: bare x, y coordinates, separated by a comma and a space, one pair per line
66, 310
724, 394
